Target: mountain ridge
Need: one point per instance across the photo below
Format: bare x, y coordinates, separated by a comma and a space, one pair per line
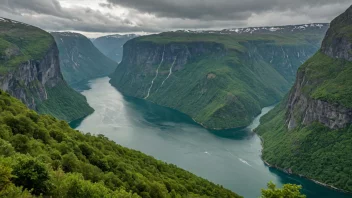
310, 132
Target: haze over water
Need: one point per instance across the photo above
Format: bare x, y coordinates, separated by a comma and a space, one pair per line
230, 157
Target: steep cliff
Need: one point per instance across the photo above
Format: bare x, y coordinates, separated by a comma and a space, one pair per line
80, 60
310, 132
221, 79
112, 45
30, 71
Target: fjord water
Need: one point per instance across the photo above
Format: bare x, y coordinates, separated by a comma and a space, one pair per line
229, 157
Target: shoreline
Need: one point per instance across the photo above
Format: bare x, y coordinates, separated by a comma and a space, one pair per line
289, 172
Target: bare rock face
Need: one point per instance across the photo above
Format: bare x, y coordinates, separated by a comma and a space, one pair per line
305, 110
28, 82
338, 40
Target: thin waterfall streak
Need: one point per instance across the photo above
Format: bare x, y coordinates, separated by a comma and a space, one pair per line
156, 75
170, 72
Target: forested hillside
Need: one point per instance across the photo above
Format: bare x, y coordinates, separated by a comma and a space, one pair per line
45, 156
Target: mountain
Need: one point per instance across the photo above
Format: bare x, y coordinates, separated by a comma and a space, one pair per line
310, 132
222, 79
80, 60
112, 45
30, 71
48, 157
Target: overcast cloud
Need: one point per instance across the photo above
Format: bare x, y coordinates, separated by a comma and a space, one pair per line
99, 17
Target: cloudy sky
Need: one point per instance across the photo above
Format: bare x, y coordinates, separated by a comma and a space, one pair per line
100, 17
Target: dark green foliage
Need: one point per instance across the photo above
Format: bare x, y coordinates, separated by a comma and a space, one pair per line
314, 151
80, 60
287, 191
55, 160
31, 174
65, 103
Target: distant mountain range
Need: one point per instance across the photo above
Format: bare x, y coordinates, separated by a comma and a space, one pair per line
112, 45
266, 29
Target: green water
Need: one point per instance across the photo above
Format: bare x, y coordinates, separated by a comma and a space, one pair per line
230, 157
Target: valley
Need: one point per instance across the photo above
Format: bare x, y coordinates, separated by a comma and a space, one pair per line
153, 99
80, 60
229, 157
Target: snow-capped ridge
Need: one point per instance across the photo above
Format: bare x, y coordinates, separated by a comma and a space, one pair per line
259, 30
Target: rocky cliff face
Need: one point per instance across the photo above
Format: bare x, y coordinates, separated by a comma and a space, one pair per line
221, 81
30, 71
338, 40
29, 81
303, 108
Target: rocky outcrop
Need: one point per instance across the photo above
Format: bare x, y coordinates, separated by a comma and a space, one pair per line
29, 81
302, 109
338, 40
338, 48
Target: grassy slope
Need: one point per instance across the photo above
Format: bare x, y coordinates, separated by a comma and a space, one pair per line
80, 60
331, 79
44, 153
314, 151
23, 42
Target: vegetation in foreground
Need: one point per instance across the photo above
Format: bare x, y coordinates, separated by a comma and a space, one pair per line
42, 155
